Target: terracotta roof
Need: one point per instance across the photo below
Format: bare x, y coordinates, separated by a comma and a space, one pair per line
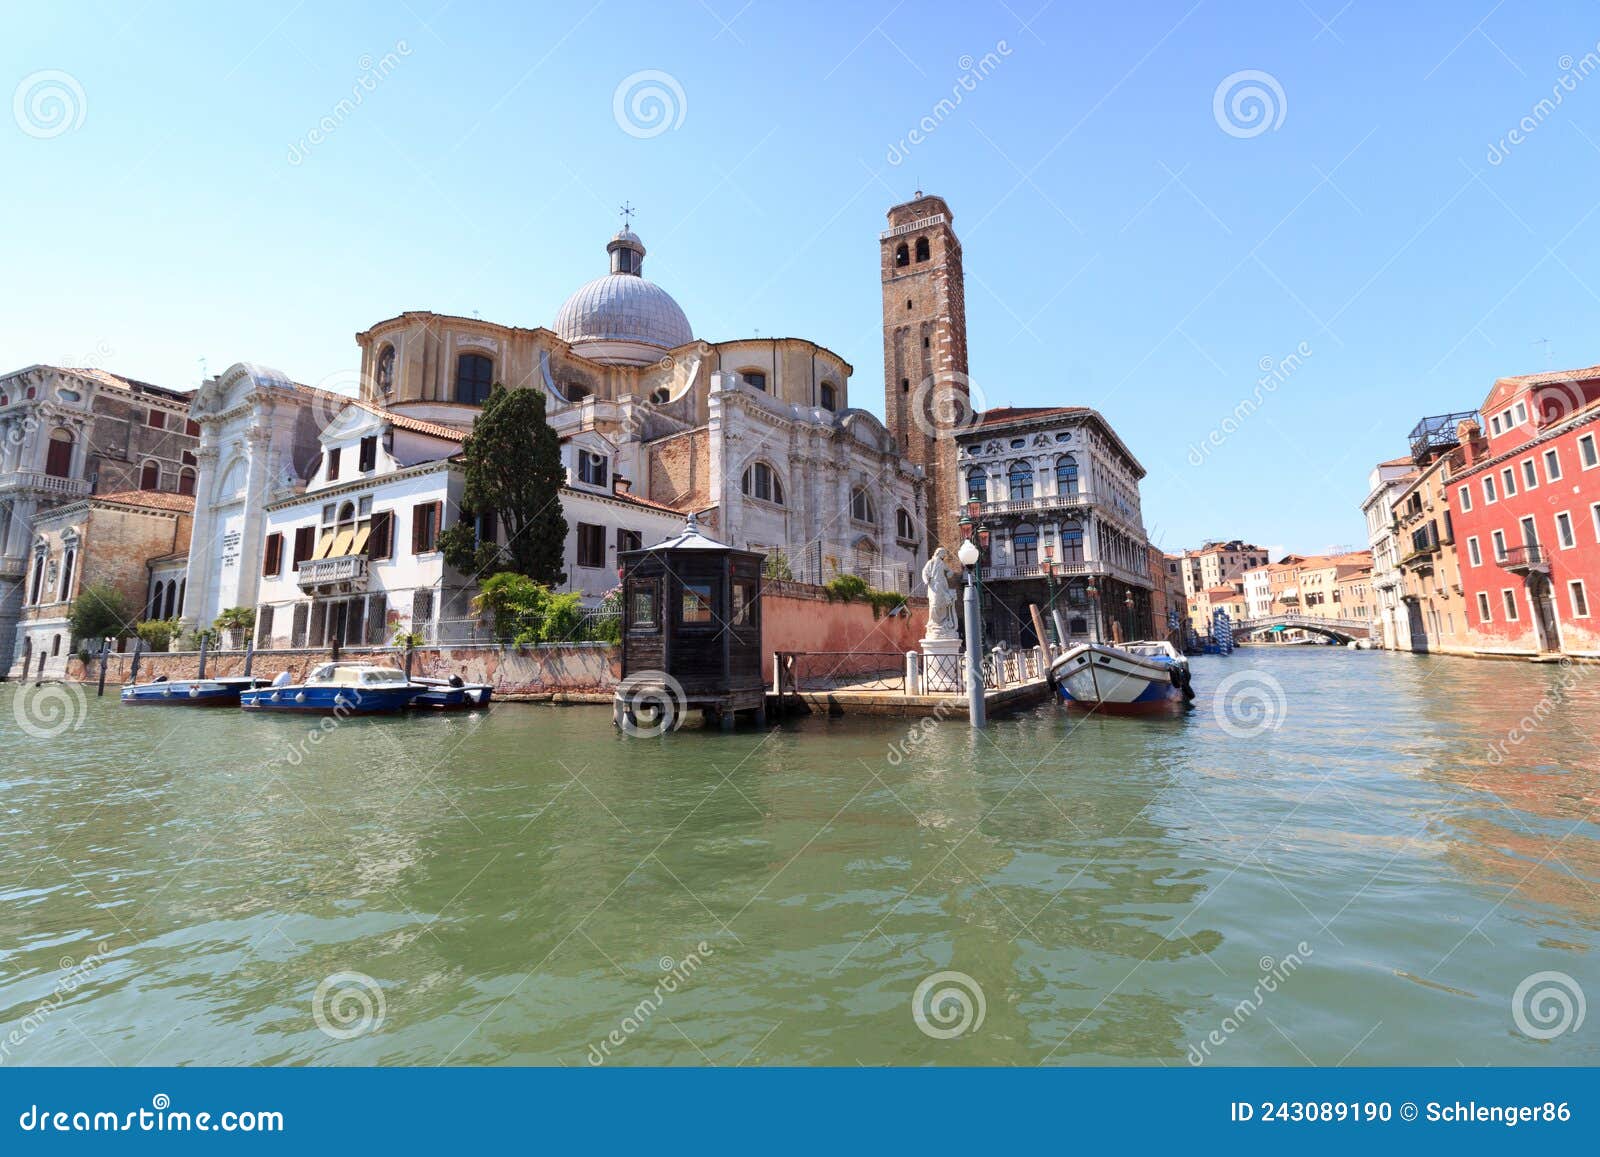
636, 500
152, 499
1398, 462
405, 422
1004, 414
1550, 376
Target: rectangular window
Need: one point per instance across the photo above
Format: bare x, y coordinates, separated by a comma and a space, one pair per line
1508, 482
264, 626
1594, 515
755, 380
1474, 555
380, 543
1466, 499
696, 607
1552, 466
305, 541
1499, 539
592, 468
1488, 490
272, 558
591, 545
297, 625
1483, 608
156, 420
628, 540
425, 519
192, 428
333, 464
1564, 533
1580, 599
1530, 474
421, 609
642, 607
369, 453
1530, 532
1586, 452
1522, 412
744, 603
1510, 597
1494, 424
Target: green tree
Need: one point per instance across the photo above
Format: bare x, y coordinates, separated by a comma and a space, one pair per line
99, 612
513, 467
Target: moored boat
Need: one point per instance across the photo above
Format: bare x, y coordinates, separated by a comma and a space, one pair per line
1132, 678
452, 694
161, 691
337, 689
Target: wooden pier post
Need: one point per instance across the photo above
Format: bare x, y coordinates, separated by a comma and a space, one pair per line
203, 641
105, 645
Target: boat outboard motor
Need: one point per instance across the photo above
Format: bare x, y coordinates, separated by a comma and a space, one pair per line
283, 679
457, 681
159, 679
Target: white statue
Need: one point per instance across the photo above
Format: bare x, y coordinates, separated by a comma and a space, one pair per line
941, 598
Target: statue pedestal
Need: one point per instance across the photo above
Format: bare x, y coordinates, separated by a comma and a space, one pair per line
941, 667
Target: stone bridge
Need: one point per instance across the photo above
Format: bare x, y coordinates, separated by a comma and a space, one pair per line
1343, 629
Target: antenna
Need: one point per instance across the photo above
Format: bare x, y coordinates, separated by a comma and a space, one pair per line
1544, 341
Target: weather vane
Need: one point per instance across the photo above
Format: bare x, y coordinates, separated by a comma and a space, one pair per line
627, 212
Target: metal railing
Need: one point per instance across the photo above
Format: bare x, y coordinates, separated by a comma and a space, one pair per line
598, 624
1040, 502
797, 672
1523, 557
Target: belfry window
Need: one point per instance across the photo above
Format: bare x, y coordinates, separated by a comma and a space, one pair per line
829, 396
922, 248
902, 255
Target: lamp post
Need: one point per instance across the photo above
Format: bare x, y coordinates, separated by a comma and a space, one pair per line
1094, 611
968, 554
1128, 602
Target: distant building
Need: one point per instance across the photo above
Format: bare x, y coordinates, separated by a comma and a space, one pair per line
66, 434
1058, 492
1433, 612
1386, 481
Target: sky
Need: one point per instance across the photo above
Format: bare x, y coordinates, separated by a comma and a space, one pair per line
1262, 295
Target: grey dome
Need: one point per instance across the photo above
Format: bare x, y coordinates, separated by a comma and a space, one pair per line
623, 307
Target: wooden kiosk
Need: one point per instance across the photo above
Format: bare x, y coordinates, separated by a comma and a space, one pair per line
691, 634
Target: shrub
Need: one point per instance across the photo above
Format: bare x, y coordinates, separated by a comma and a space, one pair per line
99, 612
776, 566
157, 634
846, 588
404, 639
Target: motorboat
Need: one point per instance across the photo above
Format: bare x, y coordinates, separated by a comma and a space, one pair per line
337, 689
452, 694
165, 692
1149, 675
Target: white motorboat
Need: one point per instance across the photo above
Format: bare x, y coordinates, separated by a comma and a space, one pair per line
1149, 675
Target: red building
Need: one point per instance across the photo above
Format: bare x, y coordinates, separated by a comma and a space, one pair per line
1524, 495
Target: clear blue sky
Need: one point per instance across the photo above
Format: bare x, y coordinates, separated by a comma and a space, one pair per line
1122, 250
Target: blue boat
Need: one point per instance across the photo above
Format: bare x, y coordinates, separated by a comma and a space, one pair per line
164, 692
452, 694
337, 689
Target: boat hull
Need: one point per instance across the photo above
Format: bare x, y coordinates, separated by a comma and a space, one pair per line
330, 700
443, 697
189, 693
1103, 678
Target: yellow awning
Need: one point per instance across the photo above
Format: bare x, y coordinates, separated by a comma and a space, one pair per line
324, 544
341, 543
363, 532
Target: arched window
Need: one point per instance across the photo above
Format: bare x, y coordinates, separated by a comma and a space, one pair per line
171, 607
58, 458
905, 528
38, 578
1067, 475
186, 480
69, 563
1025, 545
861, 507
150, 476
902, 255
977, 485
183, 588
385, 375
661, 395
755, 379
761, 481
1071, 542
829, 396
922, 248
1020, 479
474, 378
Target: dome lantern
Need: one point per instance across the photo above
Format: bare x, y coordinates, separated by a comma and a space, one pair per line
621, 318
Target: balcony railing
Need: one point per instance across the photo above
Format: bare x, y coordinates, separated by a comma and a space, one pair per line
1522, 559
1039, 502
48, 483
1064, 570
347, 570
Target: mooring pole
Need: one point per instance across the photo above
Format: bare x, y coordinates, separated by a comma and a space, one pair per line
409, 652
105, 645
250, 654
203, 640
976, 714
133, 664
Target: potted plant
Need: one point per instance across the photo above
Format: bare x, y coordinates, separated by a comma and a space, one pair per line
235, 624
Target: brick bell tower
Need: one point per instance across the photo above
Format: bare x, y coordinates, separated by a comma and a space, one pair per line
926, 397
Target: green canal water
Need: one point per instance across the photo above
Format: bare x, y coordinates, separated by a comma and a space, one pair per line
1358, 858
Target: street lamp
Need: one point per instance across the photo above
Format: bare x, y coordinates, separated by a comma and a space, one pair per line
1094, 611
968, 554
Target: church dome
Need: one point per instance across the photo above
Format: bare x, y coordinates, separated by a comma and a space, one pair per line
615, 314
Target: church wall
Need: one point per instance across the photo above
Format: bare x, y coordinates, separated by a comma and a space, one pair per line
678, 469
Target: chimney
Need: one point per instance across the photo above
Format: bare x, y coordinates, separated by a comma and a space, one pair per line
1470, 435
620, 485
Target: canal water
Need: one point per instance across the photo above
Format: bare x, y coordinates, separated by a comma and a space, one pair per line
1335, 857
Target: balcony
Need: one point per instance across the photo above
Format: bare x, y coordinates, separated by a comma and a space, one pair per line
44, 483
1040, 503
1526, 560
346, 573
1065, 570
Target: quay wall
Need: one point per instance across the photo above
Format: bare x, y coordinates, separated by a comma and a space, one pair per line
799, 617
